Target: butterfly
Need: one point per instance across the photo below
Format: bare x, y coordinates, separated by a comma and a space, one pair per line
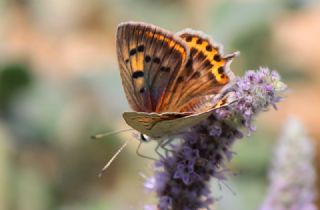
170, 80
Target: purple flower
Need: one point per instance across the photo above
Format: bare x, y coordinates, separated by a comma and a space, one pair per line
253, 93
165, 202
150, 183
182, 177
149, 207
294, 154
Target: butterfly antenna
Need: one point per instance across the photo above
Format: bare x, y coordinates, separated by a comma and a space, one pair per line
106, 166
102, 135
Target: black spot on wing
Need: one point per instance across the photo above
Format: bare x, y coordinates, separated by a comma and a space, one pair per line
199, 41
165, 69
207, 64
220, 70
140, 48
180, 79
142, 90
193, 51
210, 76
147, 58
188, 67
137, 74
189, 38
196, 75
132, 52
189, 63
217, 57
209, 48
156, 60
200, 56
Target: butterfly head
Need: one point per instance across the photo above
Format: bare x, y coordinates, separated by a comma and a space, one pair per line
144, 138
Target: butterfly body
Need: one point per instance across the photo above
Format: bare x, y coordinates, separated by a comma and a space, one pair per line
170, 80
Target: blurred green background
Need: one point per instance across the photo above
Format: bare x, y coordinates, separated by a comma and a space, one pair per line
59, 84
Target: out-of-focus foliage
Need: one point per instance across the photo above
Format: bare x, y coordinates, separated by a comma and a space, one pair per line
14, 78
59, 84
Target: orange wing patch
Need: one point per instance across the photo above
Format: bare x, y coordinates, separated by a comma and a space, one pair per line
211, 53
170, 42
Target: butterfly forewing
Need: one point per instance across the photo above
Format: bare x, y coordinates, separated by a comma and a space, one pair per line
150, 59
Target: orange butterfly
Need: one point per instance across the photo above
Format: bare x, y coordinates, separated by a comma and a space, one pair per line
170, 80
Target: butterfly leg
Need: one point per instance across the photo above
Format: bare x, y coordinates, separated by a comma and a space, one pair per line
162, 144
141, 155
165, 144
157, 149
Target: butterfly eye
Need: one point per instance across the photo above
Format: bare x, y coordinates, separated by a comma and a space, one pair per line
144, 138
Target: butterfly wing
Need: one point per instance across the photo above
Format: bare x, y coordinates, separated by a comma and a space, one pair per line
159, 125
159, 76
147, 123
150, 59
206, 72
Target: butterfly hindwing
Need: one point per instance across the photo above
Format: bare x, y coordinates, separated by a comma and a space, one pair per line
205, 73
150, 59
158, 125
147, 123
